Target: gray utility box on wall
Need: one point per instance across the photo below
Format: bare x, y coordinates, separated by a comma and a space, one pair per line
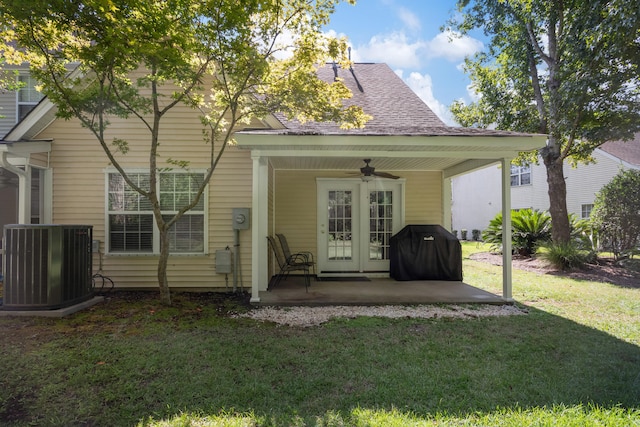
46, 266
240, 218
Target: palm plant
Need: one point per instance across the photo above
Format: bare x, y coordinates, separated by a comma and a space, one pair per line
529, 229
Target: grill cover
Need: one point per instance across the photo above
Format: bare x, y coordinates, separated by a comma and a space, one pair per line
425, 252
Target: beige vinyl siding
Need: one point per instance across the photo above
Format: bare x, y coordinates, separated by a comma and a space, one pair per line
423, 197
79, 186
296, 207
296, 203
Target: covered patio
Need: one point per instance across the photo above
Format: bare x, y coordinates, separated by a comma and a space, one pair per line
309, 184
375, 291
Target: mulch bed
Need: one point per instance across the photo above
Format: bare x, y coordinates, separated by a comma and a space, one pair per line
606, 270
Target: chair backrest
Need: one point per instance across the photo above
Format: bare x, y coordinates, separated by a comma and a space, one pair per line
284, 245
276, 252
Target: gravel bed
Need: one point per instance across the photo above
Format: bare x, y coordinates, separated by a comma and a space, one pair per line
313, 316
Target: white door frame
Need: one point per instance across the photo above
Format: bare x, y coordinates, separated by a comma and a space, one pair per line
359, 261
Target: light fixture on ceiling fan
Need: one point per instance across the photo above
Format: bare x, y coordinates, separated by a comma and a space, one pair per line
368, 172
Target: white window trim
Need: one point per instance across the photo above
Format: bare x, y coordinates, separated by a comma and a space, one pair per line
24, 73
520, 177
582, 206
156, 233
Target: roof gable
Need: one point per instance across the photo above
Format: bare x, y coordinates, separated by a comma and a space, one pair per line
627, 151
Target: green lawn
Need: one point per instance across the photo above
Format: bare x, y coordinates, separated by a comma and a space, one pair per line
574, 360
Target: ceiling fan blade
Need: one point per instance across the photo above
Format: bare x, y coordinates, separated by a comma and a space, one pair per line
385, 175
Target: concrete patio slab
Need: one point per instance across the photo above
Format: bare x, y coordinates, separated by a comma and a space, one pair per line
376, 291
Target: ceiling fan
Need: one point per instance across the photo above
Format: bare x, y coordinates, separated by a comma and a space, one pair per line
368, 172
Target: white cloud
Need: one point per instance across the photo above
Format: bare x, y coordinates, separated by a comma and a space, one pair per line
452, 46
400, 51
422, 85
409, 19
394, 49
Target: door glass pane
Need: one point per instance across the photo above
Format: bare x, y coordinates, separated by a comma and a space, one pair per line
339, 221
380, 224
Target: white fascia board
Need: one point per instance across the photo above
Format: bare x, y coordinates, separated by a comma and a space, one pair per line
38, 119
508, 143
491, 156
25, 148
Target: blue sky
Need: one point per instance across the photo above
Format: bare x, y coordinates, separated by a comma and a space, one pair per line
406, 34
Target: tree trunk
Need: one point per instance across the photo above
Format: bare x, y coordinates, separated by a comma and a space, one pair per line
557, 187
163, 283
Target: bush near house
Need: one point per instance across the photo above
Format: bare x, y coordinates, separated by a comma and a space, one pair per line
616, 214
529, 229
568, 255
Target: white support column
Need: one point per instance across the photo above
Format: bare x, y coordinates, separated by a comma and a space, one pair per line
24, 187
259, 227
506, 231
446, 203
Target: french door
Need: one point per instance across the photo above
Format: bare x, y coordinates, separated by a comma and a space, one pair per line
356, 219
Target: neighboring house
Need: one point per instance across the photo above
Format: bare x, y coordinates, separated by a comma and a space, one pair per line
476, 198
296, 179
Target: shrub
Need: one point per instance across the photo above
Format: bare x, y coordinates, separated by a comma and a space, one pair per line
463, 232
493, 233
529, 229
616, 213
567, 255
584, 234
475, 233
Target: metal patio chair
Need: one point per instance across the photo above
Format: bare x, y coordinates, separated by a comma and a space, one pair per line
287, 252
287, 265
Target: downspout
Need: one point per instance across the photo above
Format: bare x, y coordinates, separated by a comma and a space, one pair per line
24, 188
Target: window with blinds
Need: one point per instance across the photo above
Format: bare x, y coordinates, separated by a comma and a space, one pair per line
131, 227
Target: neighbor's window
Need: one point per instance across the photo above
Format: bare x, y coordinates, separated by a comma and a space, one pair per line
131, 224
520, 175
586, 211
28, 96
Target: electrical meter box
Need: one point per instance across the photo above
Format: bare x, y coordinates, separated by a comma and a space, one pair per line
240, 218
223, 261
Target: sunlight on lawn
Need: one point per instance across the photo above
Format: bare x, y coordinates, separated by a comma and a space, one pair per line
609, 308
559, 415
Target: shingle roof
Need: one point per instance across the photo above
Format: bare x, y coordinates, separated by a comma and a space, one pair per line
628, 151
381, 94
395, 108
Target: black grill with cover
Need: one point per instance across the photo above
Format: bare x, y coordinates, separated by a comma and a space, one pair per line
425, 252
